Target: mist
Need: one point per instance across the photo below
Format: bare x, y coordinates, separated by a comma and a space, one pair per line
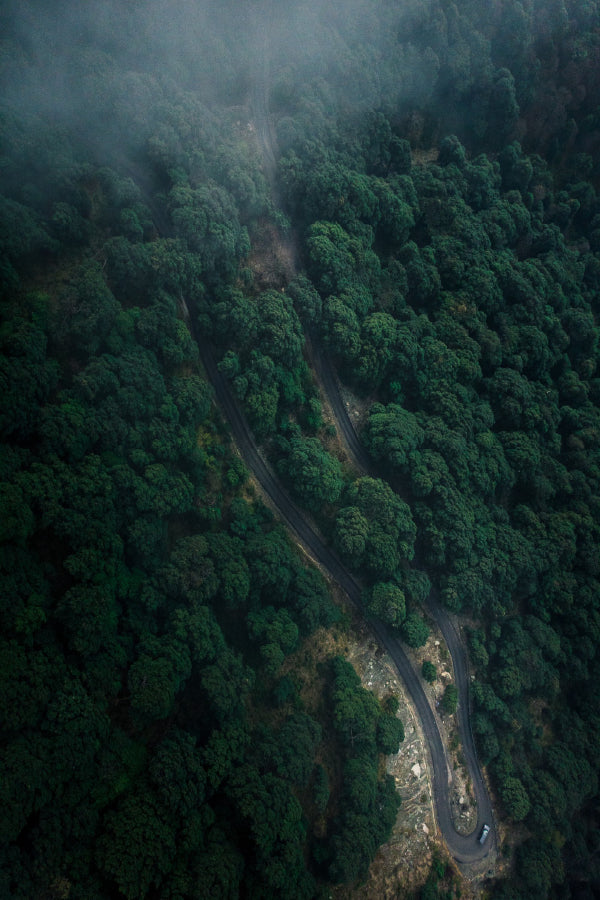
94, 69
280, 274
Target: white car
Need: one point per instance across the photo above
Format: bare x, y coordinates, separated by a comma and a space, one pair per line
484, 834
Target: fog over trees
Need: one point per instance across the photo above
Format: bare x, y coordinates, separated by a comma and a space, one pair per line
428, 218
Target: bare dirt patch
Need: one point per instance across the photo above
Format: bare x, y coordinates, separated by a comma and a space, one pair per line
358, 407
402, 864
330, 434
271, 259
464, 808
425, 157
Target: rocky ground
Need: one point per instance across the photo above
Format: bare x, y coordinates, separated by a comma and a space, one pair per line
463, 803
402, 865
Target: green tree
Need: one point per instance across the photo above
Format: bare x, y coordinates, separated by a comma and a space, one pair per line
340, 328
355, 710
321, 791
273, 818
515, 798
393, 434
206, 218
338, 259
429, 671
177, 774
299, 738
395, 215
86, 311
315, 475
378, 338
279, 329
226, 684
390, 734
231, 567
278, 633
306, 299
414, 630
539, 866
450, 699
351, 530
392, 531
386, 600
311, 601
153, 685
138, 844
190, 574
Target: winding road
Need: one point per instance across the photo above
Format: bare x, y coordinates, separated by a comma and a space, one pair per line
456, 647
465, 849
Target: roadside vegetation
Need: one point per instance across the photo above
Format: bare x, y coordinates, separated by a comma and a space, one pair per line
150, 743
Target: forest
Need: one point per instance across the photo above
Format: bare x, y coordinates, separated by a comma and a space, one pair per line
435, 183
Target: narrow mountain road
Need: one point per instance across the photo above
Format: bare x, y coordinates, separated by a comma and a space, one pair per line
328, 381
465, 849
456, 647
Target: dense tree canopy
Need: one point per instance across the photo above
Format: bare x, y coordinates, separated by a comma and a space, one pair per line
432, 220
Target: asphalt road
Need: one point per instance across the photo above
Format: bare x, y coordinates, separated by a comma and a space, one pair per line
464, 849
329, 383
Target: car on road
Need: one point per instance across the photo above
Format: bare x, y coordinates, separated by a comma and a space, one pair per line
484, 833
